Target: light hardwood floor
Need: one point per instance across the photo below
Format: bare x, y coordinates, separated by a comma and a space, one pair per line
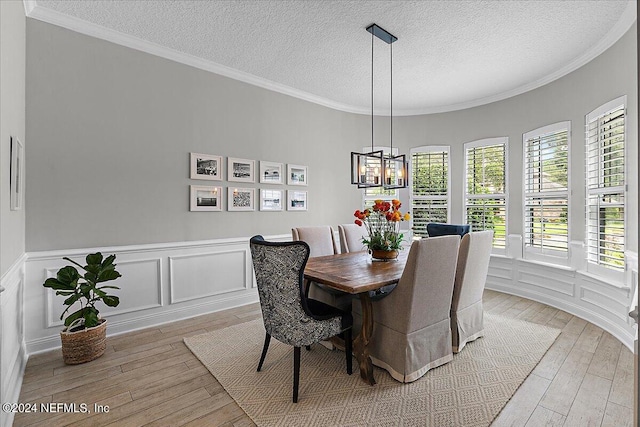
150, 378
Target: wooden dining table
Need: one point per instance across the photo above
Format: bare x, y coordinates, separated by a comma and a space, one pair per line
356, 273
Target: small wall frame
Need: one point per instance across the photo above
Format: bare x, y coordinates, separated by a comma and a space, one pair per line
205, 199
270, 200
297, 175
271, 173
240, 170
206, 166
297, 200
240, 199
16, 174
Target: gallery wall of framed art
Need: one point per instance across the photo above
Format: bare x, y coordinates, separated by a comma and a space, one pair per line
209, 167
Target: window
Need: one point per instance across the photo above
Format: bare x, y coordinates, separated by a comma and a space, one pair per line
374, 193
605, 178
546, 190
430, 192
485, 190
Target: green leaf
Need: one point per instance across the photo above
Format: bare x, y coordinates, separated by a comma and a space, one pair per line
93, 268
72, 317
107, 275
56, 284
108, 287
90, 276
91, 318
72, 299
109, 261
94, 258
100, 293
111, 300
68, 275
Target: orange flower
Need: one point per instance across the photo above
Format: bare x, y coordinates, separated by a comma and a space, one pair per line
396, 204
407, 217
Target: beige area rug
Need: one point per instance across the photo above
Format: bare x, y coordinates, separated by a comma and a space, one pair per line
469, 391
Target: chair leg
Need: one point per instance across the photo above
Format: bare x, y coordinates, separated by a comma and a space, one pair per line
348, 344
267, 339
296, 372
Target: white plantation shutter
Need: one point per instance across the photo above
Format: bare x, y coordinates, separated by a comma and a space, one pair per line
546, 190
429, 187
485, 189
605, 176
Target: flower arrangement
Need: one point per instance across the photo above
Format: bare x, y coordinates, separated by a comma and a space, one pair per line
383, 225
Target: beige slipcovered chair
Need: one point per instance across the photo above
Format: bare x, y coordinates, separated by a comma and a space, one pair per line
321, 242
351, 238
467, 314
412, 328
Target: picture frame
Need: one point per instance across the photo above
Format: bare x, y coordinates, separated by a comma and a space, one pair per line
297, 175
16, 175
297, 200
240, 170
206, 166
240, 199
271, 173
270, 200
205, 198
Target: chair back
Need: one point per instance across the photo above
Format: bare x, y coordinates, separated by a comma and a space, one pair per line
279, 270
472, 269
351, 238
423, 295
320, 239
436, 229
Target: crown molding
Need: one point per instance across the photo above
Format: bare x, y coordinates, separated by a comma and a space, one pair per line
34, 11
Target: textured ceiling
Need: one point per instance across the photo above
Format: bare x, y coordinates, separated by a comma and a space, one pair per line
449, 54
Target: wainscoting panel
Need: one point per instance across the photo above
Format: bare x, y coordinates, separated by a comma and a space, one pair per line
159, 284
592, 298
140, 289
13, 355
203, 275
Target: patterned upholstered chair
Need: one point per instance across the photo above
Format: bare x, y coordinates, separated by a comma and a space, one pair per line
412, 329
288, 315
436, 229
321, 243
467, 315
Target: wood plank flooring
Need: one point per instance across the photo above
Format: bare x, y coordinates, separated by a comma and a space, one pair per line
150, 378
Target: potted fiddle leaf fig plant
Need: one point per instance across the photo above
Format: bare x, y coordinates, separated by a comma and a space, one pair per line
85, 333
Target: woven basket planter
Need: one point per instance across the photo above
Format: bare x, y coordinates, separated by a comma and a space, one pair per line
84, 345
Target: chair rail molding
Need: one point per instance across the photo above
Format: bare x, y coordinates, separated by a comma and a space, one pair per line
13, 351
570, 288
160, 283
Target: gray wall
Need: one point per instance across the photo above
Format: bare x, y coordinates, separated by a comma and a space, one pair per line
12, 123
110, 130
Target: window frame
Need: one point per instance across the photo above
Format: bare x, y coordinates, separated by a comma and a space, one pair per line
430, 149
545, 254
486, 142
597, 268
367, 200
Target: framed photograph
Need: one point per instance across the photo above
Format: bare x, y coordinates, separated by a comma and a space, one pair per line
297, 200
205, 198
240, 199
240, 170
206, 166
297, 175
271, 173
16, 176
270, 200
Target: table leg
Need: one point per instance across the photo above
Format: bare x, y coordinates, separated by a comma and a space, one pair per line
361, 343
